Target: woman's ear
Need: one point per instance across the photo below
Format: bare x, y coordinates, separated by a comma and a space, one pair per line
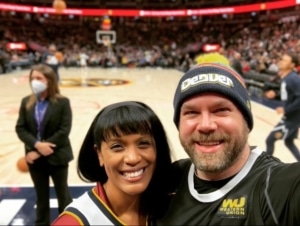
99, 153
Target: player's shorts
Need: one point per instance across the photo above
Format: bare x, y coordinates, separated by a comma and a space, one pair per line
286, 130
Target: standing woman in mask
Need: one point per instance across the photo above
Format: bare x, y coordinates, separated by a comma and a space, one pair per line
43, 125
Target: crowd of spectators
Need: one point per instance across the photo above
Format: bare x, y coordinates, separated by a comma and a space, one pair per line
259, 40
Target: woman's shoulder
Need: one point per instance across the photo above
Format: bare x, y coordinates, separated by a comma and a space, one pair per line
62, 99
66, 219
72, 215
26, 98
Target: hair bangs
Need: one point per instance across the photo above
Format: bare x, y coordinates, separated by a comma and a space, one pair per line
120, 122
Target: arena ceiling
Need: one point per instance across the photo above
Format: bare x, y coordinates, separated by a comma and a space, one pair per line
139, 4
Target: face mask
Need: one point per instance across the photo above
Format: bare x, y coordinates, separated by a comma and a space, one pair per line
38, 86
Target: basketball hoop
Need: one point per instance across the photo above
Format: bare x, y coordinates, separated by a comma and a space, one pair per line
106, 37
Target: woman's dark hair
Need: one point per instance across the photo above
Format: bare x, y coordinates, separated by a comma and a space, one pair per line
50, 75
125, 118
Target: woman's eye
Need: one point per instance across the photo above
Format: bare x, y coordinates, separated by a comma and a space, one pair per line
144, 144
116, 147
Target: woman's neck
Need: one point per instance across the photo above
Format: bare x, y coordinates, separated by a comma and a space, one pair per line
125, 207
43, 96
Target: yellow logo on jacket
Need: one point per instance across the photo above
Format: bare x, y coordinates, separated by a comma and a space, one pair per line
234, 208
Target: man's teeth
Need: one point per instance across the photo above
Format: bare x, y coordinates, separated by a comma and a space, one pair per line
209, 143
133, 174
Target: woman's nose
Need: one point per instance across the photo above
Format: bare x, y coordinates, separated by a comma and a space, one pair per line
132, 155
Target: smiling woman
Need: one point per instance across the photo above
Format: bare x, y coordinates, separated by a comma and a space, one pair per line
127, 153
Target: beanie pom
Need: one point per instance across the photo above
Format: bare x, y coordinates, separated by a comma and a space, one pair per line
212, 58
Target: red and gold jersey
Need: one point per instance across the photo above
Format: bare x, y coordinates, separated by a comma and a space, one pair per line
89, 209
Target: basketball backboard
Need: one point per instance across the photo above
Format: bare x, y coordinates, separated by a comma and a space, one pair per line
103, 36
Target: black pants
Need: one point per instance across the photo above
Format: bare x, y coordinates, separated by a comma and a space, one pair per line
55, 68
3, 66
286, 131
41, 172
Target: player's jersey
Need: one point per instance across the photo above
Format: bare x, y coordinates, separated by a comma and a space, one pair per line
83, 58
88, 209
264, 192
290, 95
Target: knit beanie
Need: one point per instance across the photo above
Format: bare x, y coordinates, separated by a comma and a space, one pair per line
217, 78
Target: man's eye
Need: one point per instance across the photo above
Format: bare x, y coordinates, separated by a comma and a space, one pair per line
189, 113
222, 110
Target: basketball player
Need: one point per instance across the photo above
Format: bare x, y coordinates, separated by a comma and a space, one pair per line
225, 181
49, 58
83, 57
287, 128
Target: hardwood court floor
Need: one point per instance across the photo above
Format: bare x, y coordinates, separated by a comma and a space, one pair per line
90, 90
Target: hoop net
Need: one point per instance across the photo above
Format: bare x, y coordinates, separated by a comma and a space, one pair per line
106, 41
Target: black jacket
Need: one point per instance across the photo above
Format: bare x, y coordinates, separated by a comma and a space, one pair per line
55, 128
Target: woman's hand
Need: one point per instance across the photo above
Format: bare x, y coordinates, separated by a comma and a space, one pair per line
45, 148
31, 156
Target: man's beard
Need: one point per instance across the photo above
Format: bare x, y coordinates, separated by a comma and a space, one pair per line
222, 159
